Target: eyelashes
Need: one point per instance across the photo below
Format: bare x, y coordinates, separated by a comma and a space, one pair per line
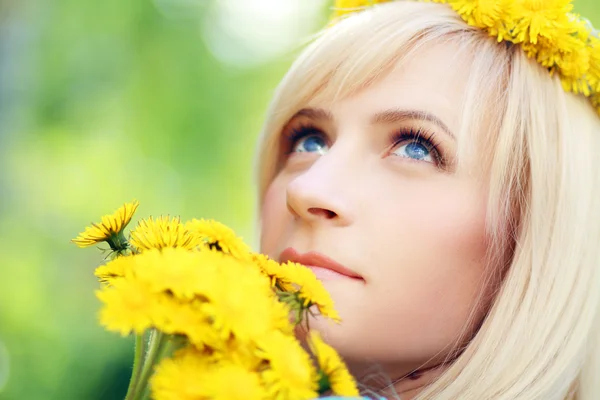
403, 136
420, 136
300, 132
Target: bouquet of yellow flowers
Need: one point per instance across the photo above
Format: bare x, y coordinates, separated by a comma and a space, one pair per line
212, 319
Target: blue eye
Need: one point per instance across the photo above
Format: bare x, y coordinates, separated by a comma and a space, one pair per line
312, 143
415, 151
416, 145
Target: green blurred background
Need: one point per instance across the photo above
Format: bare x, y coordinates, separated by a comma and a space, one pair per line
105, 101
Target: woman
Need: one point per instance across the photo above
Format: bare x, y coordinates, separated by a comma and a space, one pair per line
445, 187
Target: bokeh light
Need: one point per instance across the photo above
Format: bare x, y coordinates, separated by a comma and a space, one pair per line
244, 33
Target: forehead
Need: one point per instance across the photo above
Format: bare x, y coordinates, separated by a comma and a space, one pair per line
431, 79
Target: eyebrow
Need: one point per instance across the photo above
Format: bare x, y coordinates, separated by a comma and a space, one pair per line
384, 117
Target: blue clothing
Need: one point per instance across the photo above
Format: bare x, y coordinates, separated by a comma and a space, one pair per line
347, 398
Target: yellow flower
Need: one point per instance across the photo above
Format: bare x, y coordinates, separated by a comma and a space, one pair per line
291, 374
296, 278
239, 353
160, 233
242, 303
179, 378
544, 52
495, 15
110, 229
190, 375
573, 66
540, 18
596, 102
157, 289
205, 295
220, 237
183, 273
594, 72
178, 317
311, 290
114, 270
235, 298
279, 275
343, 7
339, 379
128, 306
547, 30
173, 316
229, 381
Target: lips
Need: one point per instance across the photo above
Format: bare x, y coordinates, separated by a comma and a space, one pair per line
320, 264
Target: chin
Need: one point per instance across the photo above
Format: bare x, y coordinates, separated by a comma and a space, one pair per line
335, 334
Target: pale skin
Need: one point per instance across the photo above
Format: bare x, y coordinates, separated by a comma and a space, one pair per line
394, 210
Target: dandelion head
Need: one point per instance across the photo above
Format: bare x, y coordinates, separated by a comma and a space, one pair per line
218, 236
334, 372
311, 290
190, 374
128, 306
291, 374
162, 232
109, 229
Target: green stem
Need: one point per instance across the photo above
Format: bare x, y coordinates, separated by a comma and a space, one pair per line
138, 362
160, 345
151, 358
324, 383
168, 345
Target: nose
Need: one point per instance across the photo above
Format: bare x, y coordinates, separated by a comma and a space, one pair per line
323, 193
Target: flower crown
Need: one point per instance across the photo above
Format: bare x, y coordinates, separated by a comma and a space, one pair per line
547, 30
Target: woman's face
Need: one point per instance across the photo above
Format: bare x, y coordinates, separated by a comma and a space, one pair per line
371, 183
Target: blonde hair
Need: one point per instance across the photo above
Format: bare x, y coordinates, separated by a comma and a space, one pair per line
539, 338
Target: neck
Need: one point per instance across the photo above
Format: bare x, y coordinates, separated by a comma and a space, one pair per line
406, 387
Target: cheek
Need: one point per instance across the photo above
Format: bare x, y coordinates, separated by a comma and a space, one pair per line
431, 263
435, 234
274, 219
431, 225
424, 265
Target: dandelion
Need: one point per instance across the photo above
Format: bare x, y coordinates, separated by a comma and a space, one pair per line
173, 316
291, 374
335, 375
199, 287
541, 18
280, 277
201, 332
298, 284
186, 318
129, 306
547, 30
343, 7
594, 73
240, 353
495, 15
176, 317
114, 270
228, 381
242, 303
182, 273
190, 375
220, 237
311, 290
109, 230
162, 232
193, 288
178, 377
